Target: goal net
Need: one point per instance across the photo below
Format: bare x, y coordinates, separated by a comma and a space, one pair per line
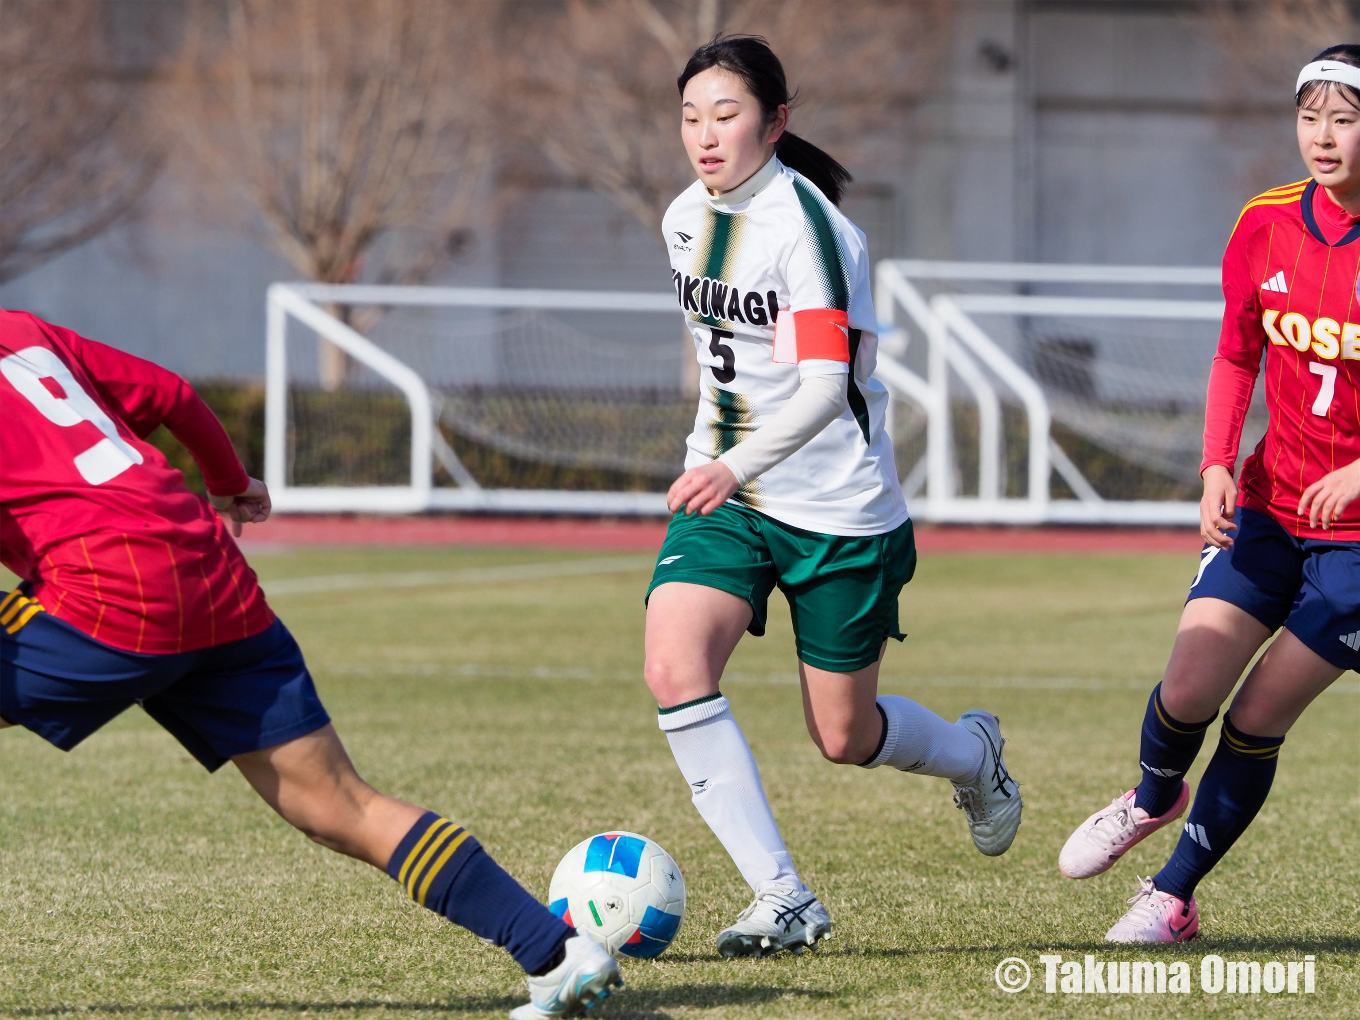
529, 393
1021, 393
1061, 392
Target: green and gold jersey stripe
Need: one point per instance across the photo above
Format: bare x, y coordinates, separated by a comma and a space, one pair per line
826, 250
736, 419
716, 255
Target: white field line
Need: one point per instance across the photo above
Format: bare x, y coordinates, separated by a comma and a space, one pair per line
471, 575
479, 670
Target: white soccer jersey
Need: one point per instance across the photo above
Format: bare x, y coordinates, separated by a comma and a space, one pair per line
739, 258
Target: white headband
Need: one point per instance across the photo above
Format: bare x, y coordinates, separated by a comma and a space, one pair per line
1329, 70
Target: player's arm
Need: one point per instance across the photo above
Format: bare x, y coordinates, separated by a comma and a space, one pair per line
1232, 378
145, 396
817, 339
818, 401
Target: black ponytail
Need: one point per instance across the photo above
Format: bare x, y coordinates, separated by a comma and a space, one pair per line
750, 58
1345, 53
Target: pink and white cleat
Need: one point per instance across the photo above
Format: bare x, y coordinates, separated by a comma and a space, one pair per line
1156, 916
1111, 832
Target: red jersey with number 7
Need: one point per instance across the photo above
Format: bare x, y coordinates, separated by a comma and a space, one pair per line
95, 518
1290, 274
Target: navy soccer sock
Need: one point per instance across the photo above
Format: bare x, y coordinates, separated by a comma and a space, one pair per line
1167, 751
444, 868
1232, 791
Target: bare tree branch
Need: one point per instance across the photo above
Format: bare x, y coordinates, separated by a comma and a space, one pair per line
1271, 39
600, 79
341, 124
354, 132
75, 156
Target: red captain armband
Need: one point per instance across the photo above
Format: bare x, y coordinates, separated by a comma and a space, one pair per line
814, 334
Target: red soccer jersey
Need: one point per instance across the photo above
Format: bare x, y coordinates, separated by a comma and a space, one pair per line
95, 517
1292, 292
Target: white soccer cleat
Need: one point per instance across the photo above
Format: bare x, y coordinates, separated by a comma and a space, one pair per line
1112, 832
992, 801
779, 918
1156, 916
581, 980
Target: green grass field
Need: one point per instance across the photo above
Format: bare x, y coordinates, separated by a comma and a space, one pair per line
504, 688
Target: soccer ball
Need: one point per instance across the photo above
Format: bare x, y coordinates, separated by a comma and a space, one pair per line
622, 890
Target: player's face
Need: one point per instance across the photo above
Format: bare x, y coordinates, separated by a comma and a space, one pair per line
726, 136
1329, 140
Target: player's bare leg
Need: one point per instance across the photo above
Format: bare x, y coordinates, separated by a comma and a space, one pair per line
841, 711
314, 786
1286, 681
691, 632
1215, 641
852, 724
1279, 687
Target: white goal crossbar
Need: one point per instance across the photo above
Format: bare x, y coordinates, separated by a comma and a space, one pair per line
945, 319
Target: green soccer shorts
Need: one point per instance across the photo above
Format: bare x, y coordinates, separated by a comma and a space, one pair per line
842, 590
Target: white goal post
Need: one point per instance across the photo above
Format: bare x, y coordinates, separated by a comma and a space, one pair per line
303, 302
959, 348
949, 330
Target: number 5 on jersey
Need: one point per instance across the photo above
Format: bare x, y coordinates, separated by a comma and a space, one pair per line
43, 378
728, 371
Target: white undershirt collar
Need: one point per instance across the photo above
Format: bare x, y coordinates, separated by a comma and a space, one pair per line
747, 189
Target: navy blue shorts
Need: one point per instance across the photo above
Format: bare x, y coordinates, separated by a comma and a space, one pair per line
1309, 586
218, 702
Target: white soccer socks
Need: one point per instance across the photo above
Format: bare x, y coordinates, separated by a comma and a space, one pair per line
917, 740
716, 761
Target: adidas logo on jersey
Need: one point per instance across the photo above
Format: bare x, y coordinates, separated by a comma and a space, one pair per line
1276, 283
1196, 832
1352, 640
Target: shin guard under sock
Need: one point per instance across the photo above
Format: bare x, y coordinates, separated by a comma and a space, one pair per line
1167, 751
1232, 791
725, 786
444, 868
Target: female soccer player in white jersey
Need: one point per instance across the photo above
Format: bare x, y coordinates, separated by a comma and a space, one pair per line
1286, 556
790, 482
